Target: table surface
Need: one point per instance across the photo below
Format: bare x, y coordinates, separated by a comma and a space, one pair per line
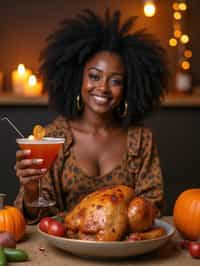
42, 253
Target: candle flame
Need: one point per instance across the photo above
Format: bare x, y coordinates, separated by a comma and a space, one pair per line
149, 9
21, 69
32, 80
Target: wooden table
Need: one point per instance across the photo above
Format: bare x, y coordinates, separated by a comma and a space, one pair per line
41, 253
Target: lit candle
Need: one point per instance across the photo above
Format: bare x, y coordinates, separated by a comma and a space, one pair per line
149, 8
33, 87
19, 79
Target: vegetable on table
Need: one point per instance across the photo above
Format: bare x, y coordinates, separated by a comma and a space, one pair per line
7, 240
186, 214
56, 228
192, 246
3, 258
15, 255
11, 220
194, 249
44, 224
52, 226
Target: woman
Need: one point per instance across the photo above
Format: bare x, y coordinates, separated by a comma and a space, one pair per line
103, 81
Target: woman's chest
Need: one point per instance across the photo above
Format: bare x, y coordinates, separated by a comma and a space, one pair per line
76, 183
98, 156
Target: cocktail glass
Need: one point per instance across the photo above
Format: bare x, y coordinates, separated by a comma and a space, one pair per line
46, 149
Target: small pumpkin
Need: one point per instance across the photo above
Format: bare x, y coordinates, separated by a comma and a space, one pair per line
186, 214
11, 220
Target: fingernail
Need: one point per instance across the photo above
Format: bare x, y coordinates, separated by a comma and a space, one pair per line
43, 170
39, 160
27, 151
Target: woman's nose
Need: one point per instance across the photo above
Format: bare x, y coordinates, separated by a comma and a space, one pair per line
104, 86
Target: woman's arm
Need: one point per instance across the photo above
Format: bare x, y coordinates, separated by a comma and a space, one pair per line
149, 180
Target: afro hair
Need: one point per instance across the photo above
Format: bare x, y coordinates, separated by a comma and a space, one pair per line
78, 39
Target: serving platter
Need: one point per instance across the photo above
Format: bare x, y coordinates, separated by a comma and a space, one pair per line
112, 249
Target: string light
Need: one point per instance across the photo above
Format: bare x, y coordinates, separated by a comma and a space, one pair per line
177, 15
182, 6
175, 6
173, 42
180, 40
184, 38
149, 8
177, 33
185, 65
188, 53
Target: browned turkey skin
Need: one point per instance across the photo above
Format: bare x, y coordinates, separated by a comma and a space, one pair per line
109, 214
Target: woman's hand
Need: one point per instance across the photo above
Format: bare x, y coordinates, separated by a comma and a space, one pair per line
28, 170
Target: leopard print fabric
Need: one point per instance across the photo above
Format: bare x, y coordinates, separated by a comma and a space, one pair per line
67, 183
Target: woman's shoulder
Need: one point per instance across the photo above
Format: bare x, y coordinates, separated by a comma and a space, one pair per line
59, 128
138, 136
139, 129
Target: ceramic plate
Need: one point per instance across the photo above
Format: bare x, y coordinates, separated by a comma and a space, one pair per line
112, 249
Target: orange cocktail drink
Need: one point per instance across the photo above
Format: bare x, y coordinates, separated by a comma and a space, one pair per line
46, 149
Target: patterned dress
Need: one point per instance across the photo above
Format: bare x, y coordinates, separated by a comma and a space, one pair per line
67, 183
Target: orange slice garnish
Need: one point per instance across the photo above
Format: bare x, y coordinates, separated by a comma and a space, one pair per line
38, 132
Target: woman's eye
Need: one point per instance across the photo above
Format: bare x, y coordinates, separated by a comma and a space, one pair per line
94, 77
117, 82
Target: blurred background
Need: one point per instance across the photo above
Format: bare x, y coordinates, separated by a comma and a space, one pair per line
24, 26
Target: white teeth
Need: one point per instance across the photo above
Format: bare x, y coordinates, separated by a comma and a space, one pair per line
100, 99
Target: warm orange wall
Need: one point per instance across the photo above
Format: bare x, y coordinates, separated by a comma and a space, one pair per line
25, 24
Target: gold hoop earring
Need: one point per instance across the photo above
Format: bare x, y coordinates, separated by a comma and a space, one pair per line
124, 114
78, 103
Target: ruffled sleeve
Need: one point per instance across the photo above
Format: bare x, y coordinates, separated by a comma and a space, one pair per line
51, 183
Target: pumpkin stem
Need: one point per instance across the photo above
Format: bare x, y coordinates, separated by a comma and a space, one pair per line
2, 199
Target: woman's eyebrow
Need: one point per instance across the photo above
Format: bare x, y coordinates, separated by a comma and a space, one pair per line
113, 73
95, 69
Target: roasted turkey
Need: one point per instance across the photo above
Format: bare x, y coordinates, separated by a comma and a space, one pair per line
109, 214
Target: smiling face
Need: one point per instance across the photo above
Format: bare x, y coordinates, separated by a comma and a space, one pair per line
103, 80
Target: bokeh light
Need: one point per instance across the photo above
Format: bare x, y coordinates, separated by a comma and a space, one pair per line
173, 42
149, 9
188, 53
177, 15
185, 65
182, 6
175, 6
177, 33
184, 38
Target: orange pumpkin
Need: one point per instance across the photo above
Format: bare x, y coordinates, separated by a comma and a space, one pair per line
186, 214
11, 220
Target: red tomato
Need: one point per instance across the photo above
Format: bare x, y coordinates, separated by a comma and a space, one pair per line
185, 244
44, 223
56, 228
135, 237
194, 248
